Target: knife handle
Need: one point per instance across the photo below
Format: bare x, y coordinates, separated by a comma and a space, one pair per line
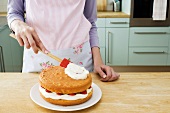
48, 54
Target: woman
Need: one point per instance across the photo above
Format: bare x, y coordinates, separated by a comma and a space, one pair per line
66, 28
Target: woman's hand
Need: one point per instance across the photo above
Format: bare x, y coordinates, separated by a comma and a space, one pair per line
106, 72
27, 36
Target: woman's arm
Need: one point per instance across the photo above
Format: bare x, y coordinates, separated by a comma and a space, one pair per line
106, 72
90, 12
15, 11
25, 34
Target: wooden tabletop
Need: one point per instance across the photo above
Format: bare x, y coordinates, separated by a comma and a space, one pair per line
132, 93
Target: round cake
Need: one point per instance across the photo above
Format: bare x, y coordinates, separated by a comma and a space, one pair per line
65, 86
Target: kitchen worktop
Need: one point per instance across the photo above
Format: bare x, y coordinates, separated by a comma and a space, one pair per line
106, 14
3, 14
132, 93
110, 14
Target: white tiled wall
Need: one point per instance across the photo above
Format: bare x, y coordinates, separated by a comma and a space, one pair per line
3, 5
126, 6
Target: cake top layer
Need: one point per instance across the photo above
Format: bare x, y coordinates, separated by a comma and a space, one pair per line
76, 72
55, 80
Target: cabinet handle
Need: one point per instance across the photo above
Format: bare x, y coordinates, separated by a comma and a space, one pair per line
150, 32
118, 23
2, 60
108, 47
142, 52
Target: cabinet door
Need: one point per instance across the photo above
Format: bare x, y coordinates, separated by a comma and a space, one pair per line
12, 52
168, 62
103, 54
6, 49
148, 56
117, 46
149, 36
17, 55
101, 34
101, 22
2, 68
117, 22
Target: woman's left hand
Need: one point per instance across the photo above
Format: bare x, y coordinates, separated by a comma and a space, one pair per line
106, 72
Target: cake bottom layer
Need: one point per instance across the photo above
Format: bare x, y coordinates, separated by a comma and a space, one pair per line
67, 102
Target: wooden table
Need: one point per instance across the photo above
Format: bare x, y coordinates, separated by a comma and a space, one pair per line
132, 93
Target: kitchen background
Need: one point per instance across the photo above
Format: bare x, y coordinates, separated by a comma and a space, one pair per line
3, 5
124, 47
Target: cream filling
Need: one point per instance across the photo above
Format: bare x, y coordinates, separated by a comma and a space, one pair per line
76, 72
53, 95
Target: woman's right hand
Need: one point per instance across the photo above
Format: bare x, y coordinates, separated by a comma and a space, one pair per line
27, 36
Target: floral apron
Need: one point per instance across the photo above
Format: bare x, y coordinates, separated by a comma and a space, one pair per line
64, 31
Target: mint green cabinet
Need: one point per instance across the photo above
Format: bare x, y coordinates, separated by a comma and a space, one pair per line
133, 46
148, 56
6, 49
148, 46
12, 52
113, 39
2, 68
117, 46
117, 22
17, 55
149, 36
117, 34
168, 61
102, 34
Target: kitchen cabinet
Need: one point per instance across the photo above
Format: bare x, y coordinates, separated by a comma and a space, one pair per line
117, 46
113, 39
117, 41
102, 34
133, 46
148, 46
11, 51
168, 62
2, 68
6, 49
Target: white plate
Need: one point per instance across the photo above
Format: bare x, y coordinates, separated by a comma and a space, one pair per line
35, 96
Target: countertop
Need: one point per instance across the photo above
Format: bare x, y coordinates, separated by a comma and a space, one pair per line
110, 14
132, 93
106, 14
3, 14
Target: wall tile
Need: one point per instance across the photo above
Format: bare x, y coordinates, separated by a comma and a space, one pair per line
1, 2
3, 5
0, 7
4, 8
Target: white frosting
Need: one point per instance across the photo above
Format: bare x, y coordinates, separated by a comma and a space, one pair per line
76, 72
53, 95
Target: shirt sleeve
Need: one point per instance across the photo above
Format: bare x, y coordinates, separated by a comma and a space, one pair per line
15, 10
90, 12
